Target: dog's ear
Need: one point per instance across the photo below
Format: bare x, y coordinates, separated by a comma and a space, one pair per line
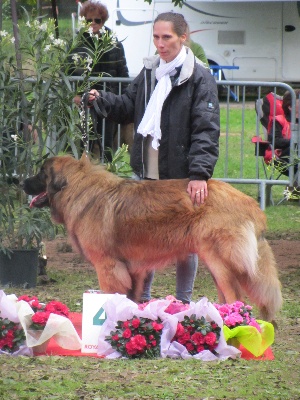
85, 158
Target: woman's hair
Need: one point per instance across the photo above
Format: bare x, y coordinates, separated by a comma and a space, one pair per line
179, 23
94, 7
287, 102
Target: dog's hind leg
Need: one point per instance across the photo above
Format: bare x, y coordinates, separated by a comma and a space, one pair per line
113, 276
265, 288
228, 287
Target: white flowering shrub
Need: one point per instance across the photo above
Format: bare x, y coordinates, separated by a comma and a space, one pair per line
37, 115
47, 64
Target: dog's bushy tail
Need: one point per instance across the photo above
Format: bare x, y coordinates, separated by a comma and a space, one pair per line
265, 289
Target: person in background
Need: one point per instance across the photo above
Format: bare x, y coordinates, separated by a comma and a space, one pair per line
196, 48
282, 131
111, 64
173, 103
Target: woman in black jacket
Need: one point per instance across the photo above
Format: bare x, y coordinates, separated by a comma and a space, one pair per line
173, 103
111, 63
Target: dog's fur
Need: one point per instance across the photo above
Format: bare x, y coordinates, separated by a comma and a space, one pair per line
126, 228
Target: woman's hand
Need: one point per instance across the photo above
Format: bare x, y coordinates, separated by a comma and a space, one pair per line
93, 94
197, 191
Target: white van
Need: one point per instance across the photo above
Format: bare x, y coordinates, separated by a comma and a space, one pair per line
261, 38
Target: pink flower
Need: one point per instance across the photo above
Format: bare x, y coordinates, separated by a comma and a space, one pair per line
200, 348
210, 338
255, 324
198, 338
157, 327
190, 347
126, 324
139, 342
180, 330
127, 333
56, 307
40, 318
182, 339
115, 337
135, 323
131, 350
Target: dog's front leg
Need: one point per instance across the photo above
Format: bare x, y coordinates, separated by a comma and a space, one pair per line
138, 279
113, 276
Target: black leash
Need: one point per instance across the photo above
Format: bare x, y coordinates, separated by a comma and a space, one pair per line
100, 112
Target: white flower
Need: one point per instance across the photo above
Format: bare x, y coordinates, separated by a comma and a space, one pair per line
48, 47
43, 27
81, 22
75, 57
3, 33
13, 40
51, 37
28, 24
59, 42
90, 31
14, 137
287, 194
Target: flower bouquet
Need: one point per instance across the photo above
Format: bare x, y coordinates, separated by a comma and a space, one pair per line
196, 333
241, 328
153, 322
137, 337
12, 335
130, 331
42, 321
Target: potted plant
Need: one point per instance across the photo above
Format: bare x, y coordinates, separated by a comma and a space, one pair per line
21, 228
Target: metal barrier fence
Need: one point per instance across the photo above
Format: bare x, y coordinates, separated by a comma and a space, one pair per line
261, 174
239, 141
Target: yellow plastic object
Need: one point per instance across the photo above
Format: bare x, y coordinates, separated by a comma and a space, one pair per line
248, 336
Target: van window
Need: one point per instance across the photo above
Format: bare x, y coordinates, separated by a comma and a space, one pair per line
231, 37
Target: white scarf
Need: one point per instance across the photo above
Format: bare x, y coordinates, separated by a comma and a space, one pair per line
150, 124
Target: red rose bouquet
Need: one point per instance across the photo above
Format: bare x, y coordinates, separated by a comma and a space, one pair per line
42, 311
12, 335
197, 334
137, 337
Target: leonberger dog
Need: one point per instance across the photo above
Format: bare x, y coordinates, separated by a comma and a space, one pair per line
125, 228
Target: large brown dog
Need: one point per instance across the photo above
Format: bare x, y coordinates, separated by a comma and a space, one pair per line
127, 227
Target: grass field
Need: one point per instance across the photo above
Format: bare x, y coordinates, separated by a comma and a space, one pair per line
53, 377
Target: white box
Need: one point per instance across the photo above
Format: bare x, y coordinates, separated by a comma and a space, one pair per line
93, 317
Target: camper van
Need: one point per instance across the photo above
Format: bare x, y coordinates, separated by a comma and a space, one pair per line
257, 40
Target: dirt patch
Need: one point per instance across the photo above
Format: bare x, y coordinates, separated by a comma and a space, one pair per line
287, 253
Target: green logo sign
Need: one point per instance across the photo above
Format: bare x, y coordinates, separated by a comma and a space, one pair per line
99, 317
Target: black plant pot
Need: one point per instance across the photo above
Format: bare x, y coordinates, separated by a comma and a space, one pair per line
19, 268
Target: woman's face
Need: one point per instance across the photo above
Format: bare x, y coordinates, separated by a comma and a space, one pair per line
95, 21
166, 41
